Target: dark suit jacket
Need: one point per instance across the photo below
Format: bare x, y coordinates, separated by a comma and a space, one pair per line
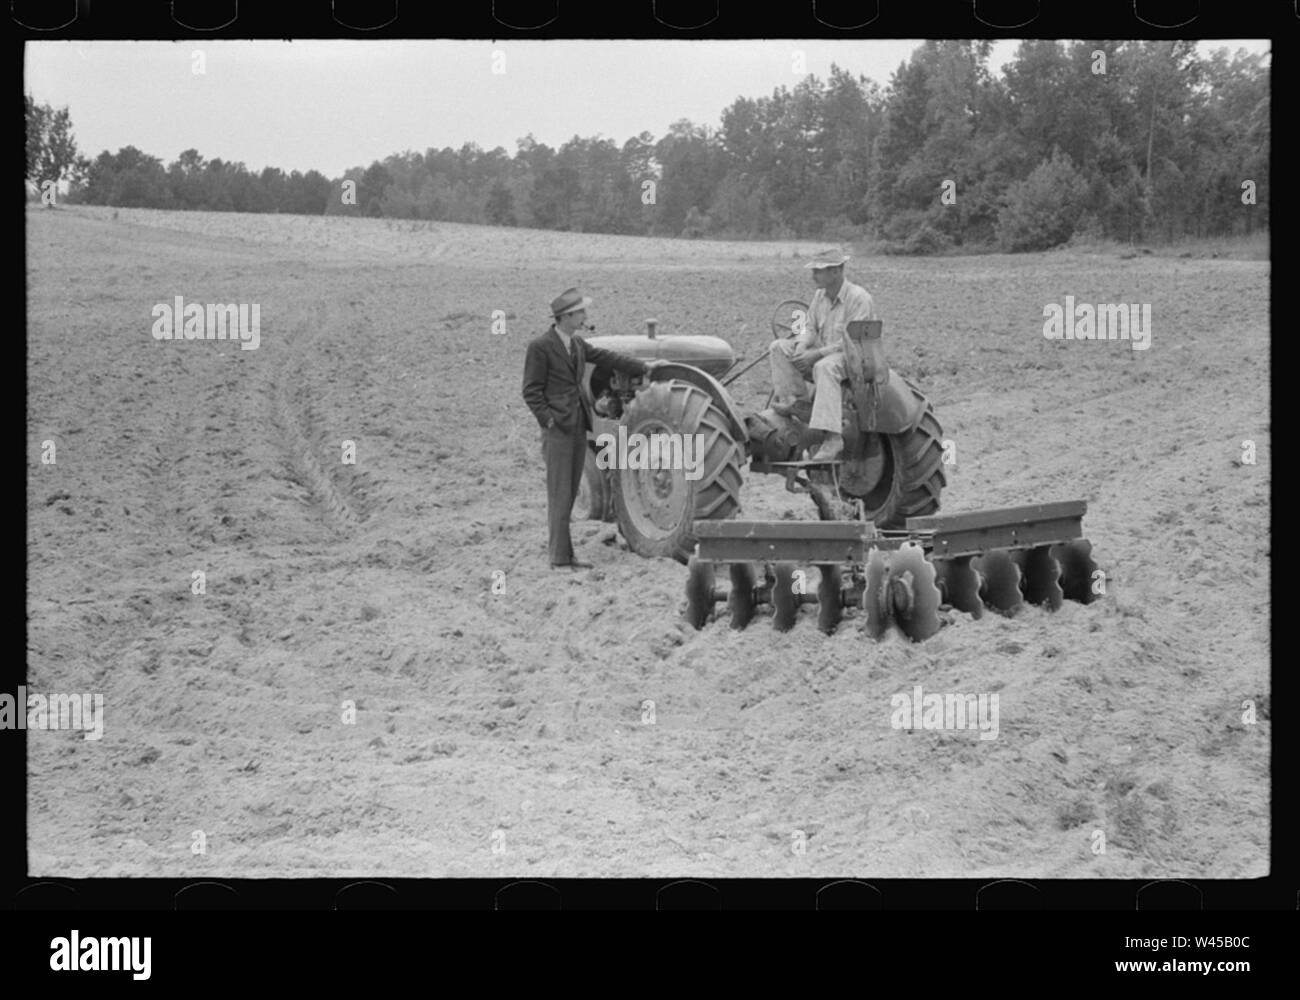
553, 386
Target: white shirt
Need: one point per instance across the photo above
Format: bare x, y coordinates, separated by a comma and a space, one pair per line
828, 318
565, 339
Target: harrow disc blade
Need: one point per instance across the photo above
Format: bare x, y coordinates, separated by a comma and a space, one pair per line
1077, 568
699, 592
918, 616
960, 584
830, 608
784, 602
1041, 577
874, 594
741, 598
1001, 590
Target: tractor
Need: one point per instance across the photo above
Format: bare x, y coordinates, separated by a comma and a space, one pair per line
891, 467
879, 543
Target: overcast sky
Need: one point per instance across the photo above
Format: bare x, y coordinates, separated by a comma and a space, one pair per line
329, 105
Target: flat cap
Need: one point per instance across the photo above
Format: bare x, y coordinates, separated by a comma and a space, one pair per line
833, 257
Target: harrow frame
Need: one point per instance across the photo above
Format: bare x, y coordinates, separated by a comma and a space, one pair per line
899, 576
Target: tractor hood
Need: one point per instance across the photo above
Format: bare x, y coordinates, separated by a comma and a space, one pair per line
709, 354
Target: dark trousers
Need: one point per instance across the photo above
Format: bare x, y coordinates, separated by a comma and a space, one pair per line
566, 455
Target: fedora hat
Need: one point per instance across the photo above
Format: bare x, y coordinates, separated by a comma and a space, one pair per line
833, 257
568, 301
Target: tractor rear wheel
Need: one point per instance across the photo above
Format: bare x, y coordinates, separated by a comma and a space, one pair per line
910, 480
657, 508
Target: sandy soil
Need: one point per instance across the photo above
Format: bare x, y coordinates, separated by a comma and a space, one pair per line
503, 733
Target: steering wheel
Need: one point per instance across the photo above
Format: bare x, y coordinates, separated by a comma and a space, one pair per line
784, 317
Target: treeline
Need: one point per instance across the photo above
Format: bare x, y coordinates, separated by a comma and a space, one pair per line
133, 179
1134, 141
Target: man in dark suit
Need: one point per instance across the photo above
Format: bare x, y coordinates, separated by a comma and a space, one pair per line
554, 391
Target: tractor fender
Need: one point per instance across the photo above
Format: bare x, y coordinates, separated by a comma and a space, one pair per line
689, 373
900, 406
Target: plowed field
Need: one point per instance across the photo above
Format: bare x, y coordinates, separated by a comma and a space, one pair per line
507, 733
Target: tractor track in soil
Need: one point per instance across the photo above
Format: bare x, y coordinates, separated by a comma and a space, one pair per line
340, 509
291, 418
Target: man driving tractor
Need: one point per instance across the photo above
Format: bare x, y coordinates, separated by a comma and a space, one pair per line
816, 354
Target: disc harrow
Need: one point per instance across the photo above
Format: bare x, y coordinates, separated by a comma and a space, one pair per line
997, 560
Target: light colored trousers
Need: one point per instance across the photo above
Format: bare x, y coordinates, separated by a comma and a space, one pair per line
828, 410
